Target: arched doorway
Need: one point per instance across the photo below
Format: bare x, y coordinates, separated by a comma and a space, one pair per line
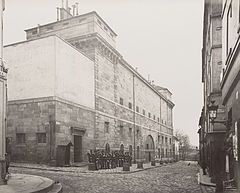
149, 149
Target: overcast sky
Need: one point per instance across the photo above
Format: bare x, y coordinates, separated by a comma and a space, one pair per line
160, 38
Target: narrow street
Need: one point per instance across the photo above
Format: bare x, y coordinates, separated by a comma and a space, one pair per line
172, 178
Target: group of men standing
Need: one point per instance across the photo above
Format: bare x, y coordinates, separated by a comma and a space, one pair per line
107, 160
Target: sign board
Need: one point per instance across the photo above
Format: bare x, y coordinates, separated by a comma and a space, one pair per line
235, 143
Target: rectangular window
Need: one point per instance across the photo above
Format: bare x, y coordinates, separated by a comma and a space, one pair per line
130, 105
137, 133
149, 115
154, 117
106, 127
162, 140
143, 112
162, 152
121, 129
41, 138
121, 101
20, 138
170, 141
130, 131
158, 119
166, 141
158, 138
229, 15
137, 109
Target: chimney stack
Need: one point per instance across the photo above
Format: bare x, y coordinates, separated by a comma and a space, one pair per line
73, 7
57, 13
76, 8
67, 5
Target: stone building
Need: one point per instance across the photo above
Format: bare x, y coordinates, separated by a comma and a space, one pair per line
230, 86
70, 91
212, 135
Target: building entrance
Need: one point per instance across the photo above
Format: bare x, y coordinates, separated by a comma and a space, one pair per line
149, 149
77, 148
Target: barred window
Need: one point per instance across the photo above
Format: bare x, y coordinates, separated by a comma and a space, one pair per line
130, 131
106, 127
130, 105
41, 138
149, 115
121, 101
143, 112
137, 109
20, 138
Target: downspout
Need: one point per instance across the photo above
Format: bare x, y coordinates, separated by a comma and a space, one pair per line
134, 122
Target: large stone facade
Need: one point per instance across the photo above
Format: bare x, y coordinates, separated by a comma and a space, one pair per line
126, 110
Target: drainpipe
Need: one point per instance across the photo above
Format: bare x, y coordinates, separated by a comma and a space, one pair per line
134, 122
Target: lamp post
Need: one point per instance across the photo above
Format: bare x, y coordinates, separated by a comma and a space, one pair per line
212, 111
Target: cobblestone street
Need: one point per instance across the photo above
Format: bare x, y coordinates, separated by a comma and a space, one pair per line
171, 178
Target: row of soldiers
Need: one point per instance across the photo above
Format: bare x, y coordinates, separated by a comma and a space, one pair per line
107, 160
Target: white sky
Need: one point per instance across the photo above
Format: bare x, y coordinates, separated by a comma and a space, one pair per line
160, 38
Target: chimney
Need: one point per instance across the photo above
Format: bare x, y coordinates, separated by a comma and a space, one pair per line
76, 8
67, 5
57, 13
73, 7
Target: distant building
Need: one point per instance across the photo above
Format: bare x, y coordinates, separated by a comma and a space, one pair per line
70, 91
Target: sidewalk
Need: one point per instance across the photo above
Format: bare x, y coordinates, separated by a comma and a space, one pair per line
209, 187
84, 169
26, 183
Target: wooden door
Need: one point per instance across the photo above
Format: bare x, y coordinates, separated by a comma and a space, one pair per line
77, 148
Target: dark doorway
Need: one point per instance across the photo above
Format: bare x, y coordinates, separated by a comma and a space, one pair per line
77, 148
130, 150
138, 152
149, 156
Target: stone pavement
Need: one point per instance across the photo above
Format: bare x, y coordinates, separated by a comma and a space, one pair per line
207, 186
179, 177
26, 183
84, 169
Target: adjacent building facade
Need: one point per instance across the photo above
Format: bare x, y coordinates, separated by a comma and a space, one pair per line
71, 91
221, 70
230, 85
212, 135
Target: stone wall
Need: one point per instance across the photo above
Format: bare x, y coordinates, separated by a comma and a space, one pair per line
30, 117
53, 116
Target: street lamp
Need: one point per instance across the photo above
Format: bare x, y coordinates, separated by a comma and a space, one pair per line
212, 112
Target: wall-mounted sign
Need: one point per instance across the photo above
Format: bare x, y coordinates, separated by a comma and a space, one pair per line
235, 143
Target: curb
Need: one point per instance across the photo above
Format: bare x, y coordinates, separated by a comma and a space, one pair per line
59, 170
